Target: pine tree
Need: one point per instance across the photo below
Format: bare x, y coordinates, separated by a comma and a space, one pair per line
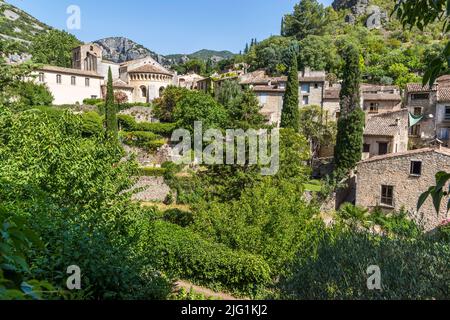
349, 141
110, 110
290, 116
246, 48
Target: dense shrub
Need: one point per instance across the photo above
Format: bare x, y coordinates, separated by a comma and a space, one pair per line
142, 139
152, 172
70, 189
410, 269
92, 124
93, 102
187, 255
128, 123
32, 94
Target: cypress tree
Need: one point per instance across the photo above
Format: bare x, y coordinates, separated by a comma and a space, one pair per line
282, 27
110, 110
290, 116
351, 123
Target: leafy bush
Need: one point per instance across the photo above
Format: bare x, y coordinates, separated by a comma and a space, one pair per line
152, 172
179, 217
93, 102
198, 106
416, 269
128, 123
187, 255
92, 124
32, 94
143, 139
269, 220
70, 188
16, 242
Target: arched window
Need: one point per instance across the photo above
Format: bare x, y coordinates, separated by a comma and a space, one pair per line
144, 92
161, 91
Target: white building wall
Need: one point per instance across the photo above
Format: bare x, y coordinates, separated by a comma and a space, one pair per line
103, 67
66, 93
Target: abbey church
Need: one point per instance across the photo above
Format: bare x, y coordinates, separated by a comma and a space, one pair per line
141, 80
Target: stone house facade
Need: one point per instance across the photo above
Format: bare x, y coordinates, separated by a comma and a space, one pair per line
386, 133
431, 108
270, 91
395, 181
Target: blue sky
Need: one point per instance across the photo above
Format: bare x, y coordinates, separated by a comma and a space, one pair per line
169, 26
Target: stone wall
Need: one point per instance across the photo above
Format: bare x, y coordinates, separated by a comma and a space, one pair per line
394, 171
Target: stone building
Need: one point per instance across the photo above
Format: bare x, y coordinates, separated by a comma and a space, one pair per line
430, 112
395, 181
332, 103
142, 80
189, 81
386, 133
380, 99
270, 91
69, 86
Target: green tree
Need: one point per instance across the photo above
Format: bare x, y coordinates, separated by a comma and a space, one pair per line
420, 14
229, 93
111, 109
290, 117
198, 106
316, 128
165, 105
349, 140
308, 18
54, 48
32, 94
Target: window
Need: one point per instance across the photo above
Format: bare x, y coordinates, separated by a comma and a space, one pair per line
144, 92
93, 97
338, 114
382, 148
58, 79
387, 195
420, 96
366, 148
316, 86
418, 111
41, 77
447, 113
262, 98
73, 80
415, 130
305, 87
444, 134
416, 168
373, 107
87, 82
305, 100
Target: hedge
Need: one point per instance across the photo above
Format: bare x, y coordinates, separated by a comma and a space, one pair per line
128, 123
184, 254
143, 139
152, 172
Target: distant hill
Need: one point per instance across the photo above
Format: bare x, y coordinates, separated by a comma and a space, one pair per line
204, 55
120, 49
17, 25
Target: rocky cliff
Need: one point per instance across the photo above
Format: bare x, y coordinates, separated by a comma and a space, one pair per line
376, 16
119, 49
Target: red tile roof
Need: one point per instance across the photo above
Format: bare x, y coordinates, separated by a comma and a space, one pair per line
440, 150
385, 124
70, 71
148, 68
382, 97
